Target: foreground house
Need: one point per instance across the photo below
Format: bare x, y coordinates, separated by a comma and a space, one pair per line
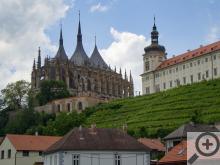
24, 149
176, 156
97, 146
180, 134
1, 139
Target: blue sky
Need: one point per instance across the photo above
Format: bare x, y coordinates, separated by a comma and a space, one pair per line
122, 28
183, 24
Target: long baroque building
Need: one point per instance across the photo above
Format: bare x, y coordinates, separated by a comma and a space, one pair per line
84, 76
193, 66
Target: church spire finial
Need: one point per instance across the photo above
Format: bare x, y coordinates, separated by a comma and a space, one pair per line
61, 34
154, 33
39, 59
79, 35
34, 65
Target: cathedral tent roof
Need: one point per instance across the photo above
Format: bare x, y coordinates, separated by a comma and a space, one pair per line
97, 60
79, 56
61, 53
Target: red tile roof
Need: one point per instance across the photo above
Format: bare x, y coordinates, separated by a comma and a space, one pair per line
177, 154
32, 143
189, 55
154, 144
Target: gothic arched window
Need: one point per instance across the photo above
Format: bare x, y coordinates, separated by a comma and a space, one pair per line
89, 85
80, 106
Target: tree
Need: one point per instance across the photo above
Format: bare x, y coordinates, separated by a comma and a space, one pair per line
15, 95
50, 90
196, 117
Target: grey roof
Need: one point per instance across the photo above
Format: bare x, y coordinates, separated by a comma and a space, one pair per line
61, 53
97, 60
79, 56
107, 139
181, 132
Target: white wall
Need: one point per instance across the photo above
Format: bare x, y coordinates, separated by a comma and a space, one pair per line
99, 158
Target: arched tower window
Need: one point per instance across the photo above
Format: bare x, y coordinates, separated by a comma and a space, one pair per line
89, 85
80, 106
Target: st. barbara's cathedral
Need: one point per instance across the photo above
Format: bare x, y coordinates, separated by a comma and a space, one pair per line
85, 77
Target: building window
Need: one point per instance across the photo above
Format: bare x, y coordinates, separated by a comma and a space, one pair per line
206, 60
184, 80
198, 62
164, 73
184, 67
176, 69
170, 71
2, 154
191, 78
147, 90
164, 85
80, 106
25, 153
207, 74
50, 160
68, 107
147, 78
117, 159
147, 65
76, 159
58, 108
9, 154
171, 84
199, 76
55, 160
214, 57
177, 82
215, 72
191, 64
157, 88
40, 153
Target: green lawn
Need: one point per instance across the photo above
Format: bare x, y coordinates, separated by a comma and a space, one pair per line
165, 110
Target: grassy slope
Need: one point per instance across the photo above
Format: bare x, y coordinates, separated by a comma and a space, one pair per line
166, 110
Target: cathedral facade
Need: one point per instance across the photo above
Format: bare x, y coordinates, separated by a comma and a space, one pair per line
192, 66
84, 76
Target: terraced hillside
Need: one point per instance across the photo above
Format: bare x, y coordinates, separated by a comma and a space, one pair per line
161, 111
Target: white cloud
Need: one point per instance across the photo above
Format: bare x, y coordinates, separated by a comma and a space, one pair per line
98, 8
22, 30
126, 52
213, 34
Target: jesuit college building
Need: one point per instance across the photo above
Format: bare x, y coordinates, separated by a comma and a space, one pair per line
161, 73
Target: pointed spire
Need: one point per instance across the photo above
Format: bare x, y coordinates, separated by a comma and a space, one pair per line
120, 71
39, 59
34, 65
131, 78
79, 35
154, 33
61, 35
95, 40
126, 75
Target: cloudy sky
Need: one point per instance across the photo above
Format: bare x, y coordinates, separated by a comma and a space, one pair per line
122, 28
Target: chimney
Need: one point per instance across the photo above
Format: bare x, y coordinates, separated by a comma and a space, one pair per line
125, 128
80, 133
36, 133
93, 128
